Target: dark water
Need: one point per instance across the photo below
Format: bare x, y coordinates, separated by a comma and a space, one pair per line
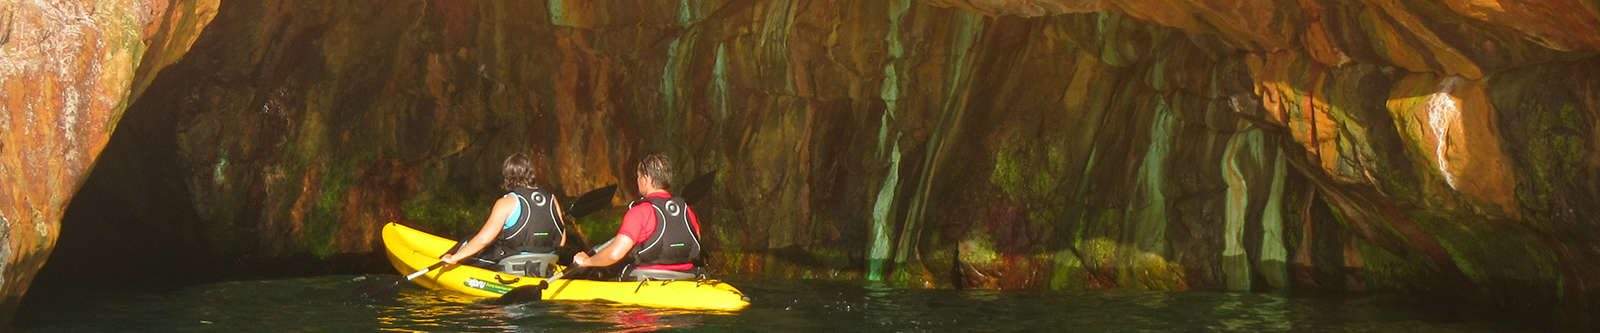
361, 304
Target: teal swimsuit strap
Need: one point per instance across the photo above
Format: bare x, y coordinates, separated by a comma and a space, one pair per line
516, 213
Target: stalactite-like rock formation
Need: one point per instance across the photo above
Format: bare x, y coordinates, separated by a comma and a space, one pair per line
1398, 145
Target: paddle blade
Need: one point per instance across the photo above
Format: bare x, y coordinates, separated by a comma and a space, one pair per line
376, 288
699, 187
587, 203
523, 294
592, 201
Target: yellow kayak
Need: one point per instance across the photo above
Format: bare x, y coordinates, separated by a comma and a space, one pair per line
411, 250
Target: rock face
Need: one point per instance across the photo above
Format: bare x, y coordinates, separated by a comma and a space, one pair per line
1442, 147
68, 69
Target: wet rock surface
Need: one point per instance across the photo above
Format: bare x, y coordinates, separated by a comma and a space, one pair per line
68, 70
1444, 148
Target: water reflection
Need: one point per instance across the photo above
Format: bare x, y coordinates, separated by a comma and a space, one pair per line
418, 309
426, 310
880, 305
326, 304
1236, 311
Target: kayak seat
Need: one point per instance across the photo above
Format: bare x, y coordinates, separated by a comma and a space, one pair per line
658, 275
529, 264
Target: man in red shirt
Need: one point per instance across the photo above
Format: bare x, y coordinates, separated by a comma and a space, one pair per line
660, 232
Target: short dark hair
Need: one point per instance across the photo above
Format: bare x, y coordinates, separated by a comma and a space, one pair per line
518, 171
658, 167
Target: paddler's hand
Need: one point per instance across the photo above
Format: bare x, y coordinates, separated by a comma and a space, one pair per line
451, 259
580, 259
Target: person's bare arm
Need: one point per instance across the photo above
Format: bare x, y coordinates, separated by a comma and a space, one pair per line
486, 235
610, 254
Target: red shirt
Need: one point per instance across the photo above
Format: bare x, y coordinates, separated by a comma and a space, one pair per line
640, 223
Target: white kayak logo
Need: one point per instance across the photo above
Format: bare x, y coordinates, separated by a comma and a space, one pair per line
673, 208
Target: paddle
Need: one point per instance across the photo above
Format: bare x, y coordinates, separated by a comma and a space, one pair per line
587, 203
698, 187
414, 275
592, 201
693, 192
409, 277
529, 293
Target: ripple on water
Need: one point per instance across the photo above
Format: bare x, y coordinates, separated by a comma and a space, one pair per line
349, 304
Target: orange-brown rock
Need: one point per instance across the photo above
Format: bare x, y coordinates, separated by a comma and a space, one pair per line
68, 69
1440, 147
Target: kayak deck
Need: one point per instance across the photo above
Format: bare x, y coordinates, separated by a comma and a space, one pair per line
410, 250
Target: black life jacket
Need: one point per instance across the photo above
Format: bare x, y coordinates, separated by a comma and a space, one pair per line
674, 241
536, 230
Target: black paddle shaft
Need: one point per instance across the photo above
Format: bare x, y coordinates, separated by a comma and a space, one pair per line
588, 203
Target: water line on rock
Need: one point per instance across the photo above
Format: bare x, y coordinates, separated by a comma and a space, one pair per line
678, 54
719, 81
218, 173
5, 250
1272, 248
5, 26
558, 13
1144, 251
685, 13
889, 92
670, 74
970, 28
72, 104
782, 18
1311, 112
1235, 269
881, 218
1150, 216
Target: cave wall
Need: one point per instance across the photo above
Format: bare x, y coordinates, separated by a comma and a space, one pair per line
1436, 147
68, 70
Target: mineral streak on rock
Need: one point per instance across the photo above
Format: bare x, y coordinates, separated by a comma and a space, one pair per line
1439, 147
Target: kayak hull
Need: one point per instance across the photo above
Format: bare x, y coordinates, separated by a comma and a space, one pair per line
411, 250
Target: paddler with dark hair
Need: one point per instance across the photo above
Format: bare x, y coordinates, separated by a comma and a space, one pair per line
660, 235
526, 220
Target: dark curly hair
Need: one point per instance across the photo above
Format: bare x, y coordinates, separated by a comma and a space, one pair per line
518, 171
658, 167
